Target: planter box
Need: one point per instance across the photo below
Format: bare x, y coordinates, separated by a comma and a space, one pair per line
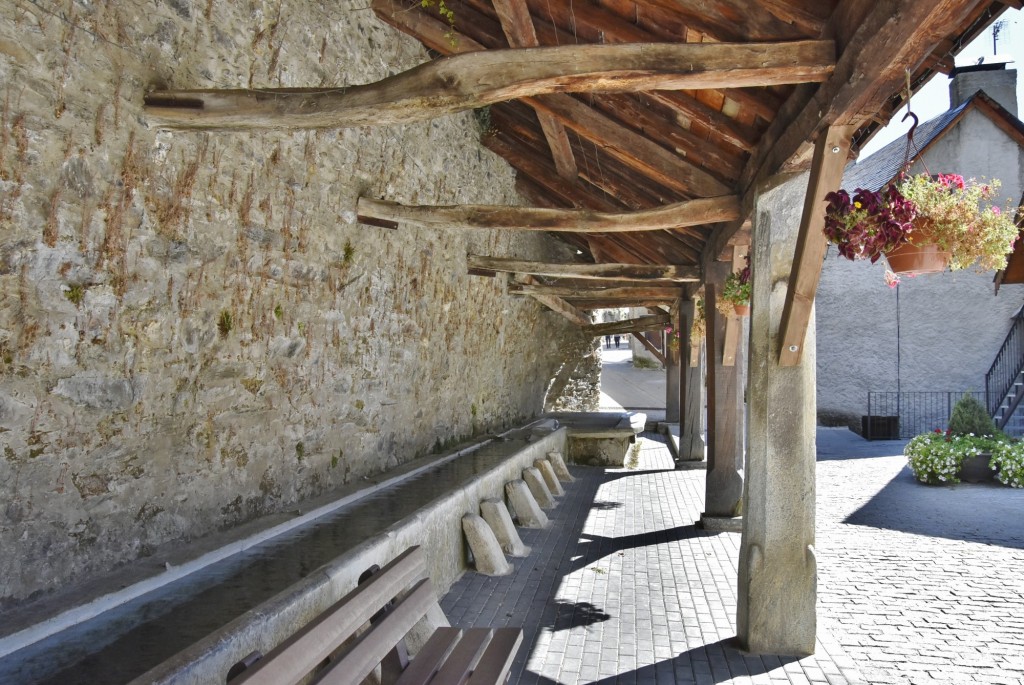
977, 470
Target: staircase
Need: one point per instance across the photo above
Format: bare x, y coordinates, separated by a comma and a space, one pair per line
1004, 382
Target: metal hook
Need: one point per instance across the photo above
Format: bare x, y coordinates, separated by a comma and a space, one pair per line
913, 127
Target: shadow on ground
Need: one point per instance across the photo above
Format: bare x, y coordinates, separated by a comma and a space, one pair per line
984, 513
718, 662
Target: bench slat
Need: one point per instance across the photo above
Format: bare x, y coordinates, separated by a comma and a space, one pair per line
373, 645
463, 658
497, 660
429, 659
293, 659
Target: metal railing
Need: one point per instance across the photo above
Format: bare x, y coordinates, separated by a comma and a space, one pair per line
1007, 365
894, 415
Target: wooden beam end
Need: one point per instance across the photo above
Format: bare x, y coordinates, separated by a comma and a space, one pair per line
381, 223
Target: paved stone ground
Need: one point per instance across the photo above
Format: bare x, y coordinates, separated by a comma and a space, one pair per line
622, 588
917, 585
920, 584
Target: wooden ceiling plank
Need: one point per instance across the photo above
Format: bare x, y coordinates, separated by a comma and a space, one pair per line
654, 124
629, 272
630, 147
689, 213
540, 170
806, 15
830, 155
518, 27
476, 79
718, 124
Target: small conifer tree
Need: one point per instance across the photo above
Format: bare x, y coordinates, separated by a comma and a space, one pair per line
970, 416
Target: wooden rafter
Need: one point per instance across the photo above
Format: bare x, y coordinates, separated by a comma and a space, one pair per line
476, 79
561, 307
691, 213
518, 27
649, 346
625, 294
644, 323
622, 272
830, 155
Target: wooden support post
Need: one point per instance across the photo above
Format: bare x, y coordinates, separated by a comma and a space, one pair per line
724, 485
673, 370
734, 323
775, 611
830, 154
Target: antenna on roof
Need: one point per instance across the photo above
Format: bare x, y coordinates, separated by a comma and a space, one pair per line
997, 28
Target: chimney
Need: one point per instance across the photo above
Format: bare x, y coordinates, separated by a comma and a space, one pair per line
998, 82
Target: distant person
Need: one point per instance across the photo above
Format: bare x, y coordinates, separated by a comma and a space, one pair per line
616, 342
607, 341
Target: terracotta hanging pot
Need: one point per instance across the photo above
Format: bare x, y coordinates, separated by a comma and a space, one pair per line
920, 257
741, 309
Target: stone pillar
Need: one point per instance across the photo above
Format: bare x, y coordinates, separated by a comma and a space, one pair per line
724, 485
691, 397
673, 371
775, 612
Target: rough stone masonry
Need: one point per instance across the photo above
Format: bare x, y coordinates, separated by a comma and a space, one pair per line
194, 330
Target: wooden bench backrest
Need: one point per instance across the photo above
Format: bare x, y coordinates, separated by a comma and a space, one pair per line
291, 661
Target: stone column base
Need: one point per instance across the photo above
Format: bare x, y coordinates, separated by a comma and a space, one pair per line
721, 524
691, 465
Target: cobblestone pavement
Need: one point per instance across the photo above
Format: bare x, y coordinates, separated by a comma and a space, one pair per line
920, 585
622, 588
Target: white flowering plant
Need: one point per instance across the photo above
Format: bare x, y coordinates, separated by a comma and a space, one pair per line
1008, 457
935, 458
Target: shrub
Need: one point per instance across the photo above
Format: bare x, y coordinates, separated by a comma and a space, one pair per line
970, 417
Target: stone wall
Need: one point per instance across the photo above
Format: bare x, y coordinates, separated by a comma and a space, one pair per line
194, 331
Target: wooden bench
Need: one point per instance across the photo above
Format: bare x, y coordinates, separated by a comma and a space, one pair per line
393, 600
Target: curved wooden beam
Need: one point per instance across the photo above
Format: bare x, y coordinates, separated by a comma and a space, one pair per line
475, 79
690, 213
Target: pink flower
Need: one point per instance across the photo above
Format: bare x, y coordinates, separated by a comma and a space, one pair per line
996, 210
892, 280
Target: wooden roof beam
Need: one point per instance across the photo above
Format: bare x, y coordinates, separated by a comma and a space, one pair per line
689, 213
644, 323
475, 79
622, 272
559, 306
519, 30
892, 36
647, 293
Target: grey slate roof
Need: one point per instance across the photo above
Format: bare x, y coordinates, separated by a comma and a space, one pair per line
878, 169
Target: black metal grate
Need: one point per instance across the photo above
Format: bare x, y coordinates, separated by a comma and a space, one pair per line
893, 415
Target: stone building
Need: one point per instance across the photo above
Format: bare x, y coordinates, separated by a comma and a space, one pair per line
936, 333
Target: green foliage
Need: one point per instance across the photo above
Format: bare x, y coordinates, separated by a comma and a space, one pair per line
75, 294
645, 363
278, 312
446, 13
300, 451
225, 323
347, 253
970, 417
1008, 458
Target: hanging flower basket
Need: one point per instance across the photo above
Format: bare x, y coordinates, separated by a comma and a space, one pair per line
922, 223
923, 256
735, 298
